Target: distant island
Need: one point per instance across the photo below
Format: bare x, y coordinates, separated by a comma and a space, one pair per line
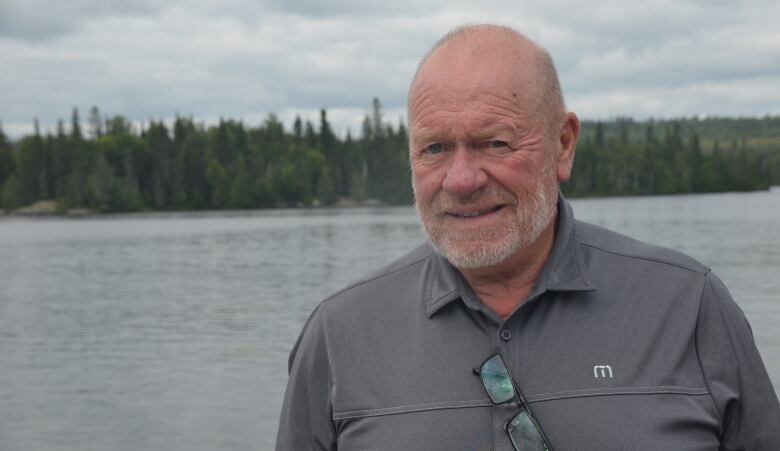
113, 167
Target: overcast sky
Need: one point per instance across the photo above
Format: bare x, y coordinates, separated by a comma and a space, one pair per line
243, 59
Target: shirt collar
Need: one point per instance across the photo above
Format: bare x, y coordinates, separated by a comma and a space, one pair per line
563, 271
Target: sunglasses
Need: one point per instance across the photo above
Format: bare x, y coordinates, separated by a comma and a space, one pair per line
523, 430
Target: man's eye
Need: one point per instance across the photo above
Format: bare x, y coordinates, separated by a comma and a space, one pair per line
434, 149
495, 144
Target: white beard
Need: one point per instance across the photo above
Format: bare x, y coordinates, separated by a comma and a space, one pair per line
491, 245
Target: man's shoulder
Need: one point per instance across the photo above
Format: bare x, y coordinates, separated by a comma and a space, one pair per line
394, 276
621, 246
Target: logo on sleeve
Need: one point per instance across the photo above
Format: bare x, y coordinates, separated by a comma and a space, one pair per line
602, 371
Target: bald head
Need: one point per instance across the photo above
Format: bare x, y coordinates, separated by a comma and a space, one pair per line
492, 48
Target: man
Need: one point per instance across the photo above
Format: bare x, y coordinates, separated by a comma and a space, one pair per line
590, 340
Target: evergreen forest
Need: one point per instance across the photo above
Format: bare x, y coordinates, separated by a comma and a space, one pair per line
108, 165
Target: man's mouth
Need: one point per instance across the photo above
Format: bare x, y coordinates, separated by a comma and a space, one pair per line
474, 214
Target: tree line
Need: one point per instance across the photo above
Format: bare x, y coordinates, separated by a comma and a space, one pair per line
188, 166
113, 167
626, 157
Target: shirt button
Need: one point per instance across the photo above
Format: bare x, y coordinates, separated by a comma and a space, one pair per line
506, 335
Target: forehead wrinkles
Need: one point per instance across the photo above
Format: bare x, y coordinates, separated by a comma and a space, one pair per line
508, 94
431, 108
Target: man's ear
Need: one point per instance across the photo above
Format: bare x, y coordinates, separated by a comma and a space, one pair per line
567, 142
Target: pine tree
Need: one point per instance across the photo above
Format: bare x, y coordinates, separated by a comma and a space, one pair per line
95, 123
75, 126
7, 164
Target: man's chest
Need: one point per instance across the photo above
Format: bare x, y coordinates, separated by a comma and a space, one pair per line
613, 386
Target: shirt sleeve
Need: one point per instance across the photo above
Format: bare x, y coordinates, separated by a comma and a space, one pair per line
306, 419
735, 374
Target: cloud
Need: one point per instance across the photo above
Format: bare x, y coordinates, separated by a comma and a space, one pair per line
39, 20
742, 97
246, 59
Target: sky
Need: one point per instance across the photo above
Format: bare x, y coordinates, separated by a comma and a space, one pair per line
245, 59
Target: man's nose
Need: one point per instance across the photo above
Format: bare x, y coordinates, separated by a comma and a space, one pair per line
464, 173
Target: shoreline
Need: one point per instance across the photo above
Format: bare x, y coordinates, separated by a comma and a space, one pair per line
49, 208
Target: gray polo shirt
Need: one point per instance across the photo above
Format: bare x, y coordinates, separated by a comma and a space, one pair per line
620, 345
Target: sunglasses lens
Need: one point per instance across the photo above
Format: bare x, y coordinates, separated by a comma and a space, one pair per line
496, 379
524, 434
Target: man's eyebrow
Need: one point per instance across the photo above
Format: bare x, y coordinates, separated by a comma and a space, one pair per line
489, 131
426, 134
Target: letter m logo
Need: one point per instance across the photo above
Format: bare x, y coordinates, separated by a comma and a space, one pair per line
602, 371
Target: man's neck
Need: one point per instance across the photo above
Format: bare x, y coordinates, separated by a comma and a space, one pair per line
504, 286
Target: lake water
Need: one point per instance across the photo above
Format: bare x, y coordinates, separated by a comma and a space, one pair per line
171, 331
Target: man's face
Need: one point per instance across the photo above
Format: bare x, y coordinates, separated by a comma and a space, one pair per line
483, 172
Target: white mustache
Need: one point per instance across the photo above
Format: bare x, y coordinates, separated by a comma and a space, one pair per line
490, 195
